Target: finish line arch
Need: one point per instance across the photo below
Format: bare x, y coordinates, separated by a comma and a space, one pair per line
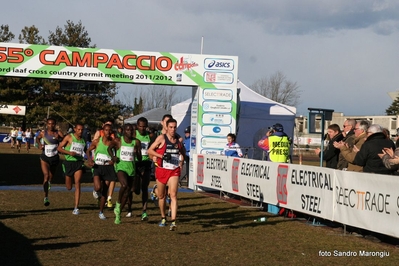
212, 77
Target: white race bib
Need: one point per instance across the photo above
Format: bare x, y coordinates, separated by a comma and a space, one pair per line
127, 154
78, 148
173, 163
102, 159
144, 148
50, 150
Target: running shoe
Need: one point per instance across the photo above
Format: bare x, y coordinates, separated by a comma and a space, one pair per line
46, 201
173, 226
169, 213
118, 219
154, 197
144, 216
129, 214
162, 223
102, 216
117, 209
76, 211
96, 194
109, 203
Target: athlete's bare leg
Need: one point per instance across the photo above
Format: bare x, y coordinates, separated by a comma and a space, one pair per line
161, 193
173, 184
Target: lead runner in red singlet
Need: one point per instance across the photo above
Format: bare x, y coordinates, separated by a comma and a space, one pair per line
168, 154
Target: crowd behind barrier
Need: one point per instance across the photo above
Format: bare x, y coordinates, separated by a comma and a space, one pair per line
362, 200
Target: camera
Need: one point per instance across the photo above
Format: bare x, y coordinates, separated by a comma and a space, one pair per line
270, 130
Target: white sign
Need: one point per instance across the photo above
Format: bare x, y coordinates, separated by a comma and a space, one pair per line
213, 142
219, 119
224, 107
368, 201
219, 77
217, 94
216, 130
12, 109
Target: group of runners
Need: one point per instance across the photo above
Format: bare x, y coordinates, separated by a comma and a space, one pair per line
18, 136
127, 158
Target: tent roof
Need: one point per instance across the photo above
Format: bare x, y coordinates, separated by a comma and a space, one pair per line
154, 116
248, 95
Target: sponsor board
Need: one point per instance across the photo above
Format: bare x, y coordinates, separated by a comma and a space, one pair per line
215, 130
222, 107
217, 94
218, 64
215, 118
218, 77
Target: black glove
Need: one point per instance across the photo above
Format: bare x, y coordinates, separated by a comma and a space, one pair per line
166, 157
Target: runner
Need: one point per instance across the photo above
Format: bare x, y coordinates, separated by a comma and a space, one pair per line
127, 150
143, 173
49, 158
13, 135
28, 137
168, 155
103, 166
97, 135
20, 134
73, 146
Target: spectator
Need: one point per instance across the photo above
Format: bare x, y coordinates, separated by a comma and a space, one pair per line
368, 156
187, 143
331, 154
349, 137
390, 159
232, 148
347, 151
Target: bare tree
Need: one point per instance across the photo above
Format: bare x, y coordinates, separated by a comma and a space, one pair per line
153, 96
279, 89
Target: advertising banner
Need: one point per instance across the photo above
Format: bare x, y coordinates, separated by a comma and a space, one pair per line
214, 75
12, 109
367, 201
119, 66
309, 189
363, 200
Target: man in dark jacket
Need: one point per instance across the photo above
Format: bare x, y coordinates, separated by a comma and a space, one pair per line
331, 154
368, 157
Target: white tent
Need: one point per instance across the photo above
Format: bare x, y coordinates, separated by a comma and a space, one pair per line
154, 116
256, 114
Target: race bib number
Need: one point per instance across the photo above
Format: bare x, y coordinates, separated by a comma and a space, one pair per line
50, 150
173, 163
78, 148
127, 154
144, 148
102, 159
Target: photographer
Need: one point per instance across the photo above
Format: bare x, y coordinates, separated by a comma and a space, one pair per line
276, 144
